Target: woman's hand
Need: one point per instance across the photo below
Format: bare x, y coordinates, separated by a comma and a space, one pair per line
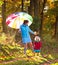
35, 33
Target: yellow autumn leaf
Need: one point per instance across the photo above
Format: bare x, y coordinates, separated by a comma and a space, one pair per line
50, 56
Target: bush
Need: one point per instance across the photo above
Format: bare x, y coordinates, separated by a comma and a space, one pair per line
36, 23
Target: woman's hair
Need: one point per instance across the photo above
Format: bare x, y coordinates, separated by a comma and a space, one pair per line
25, 21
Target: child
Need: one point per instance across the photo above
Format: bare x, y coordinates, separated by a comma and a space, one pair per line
37, 44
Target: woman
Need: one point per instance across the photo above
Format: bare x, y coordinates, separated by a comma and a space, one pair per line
25, 33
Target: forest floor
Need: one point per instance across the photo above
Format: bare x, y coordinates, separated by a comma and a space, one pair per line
48, 56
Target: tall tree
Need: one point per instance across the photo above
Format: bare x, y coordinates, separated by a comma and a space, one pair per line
36, 7
42, 14
22, 5
54, 11
38, 11
31, 7
4, 16
56, 27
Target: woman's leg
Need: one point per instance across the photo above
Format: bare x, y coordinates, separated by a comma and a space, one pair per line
25, 48
31, 45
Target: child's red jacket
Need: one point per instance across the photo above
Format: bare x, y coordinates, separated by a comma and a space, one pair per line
37, 45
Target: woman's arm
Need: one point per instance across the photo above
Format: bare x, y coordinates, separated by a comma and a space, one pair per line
30, 30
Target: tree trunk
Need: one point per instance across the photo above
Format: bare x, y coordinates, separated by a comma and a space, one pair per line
56, 28
31, 7
4, 17
22, 5
42, 14
36, 8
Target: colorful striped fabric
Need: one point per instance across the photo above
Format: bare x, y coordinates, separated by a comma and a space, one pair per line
16, 20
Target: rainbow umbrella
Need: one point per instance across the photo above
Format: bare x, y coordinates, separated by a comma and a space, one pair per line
16, 20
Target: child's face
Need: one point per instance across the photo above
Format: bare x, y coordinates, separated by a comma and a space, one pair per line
37, 38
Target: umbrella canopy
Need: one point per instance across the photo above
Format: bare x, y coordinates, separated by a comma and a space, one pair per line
16, 20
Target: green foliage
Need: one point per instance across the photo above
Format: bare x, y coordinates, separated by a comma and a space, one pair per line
49, 23
54, 10
36, 23
1, 2
47, 37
